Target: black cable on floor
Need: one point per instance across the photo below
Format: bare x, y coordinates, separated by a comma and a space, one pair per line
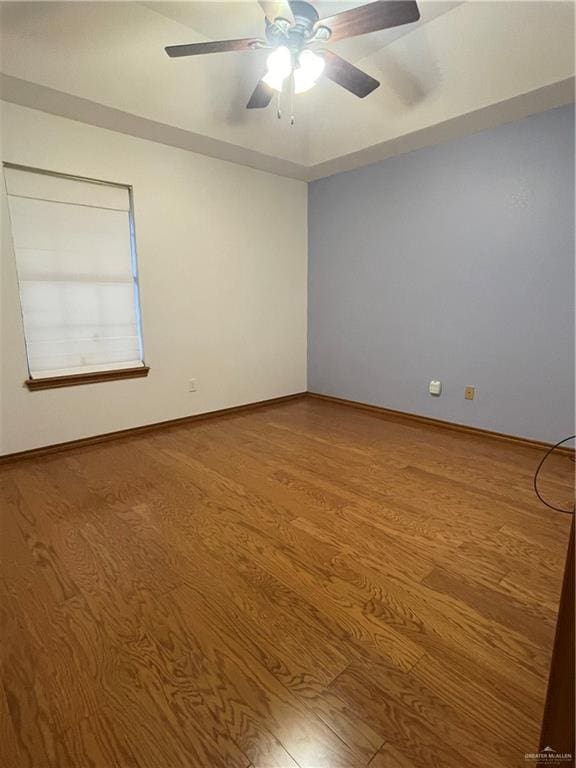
537, 492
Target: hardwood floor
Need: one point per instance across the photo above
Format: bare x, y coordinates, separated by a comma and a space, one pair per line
304, 586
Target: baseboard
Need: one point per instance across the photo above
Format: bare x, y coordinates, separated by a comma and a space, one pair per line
377, 410
427, 420
122, 433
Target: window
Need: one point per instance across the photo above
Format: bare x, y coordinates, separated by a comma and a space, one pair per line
76, 263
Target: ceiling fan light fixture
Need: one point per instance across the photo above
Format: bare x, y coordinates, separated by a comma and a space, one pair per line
279, 67
293, 25
310, 67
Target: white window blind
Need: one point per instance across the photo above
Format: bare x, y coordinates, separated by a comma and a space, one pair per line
76, 263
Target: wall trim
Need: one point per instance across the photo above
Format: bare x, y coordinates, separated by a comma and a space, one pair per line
82, 442
389, 413
375, 410
95, 377
558, 719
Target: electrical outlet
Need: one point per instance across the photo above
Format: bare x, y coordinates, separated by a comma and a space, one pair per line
469, 393
193, 385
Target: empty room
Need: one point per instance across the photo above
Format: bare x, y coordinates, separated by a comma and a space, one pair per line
287, 422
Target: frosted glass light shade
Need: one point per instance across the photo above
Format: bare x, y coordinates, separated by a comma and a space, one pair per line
309, 70
279, 67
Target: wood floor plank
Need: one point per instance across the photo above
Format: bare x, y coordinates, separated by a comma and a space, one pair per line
95, 742
338, 601
490, 602
390, 757
401, 713
300, 675
288, 434
156, 674
301, 586
11, 755
303, 735
476, 696
24, 525
438, 622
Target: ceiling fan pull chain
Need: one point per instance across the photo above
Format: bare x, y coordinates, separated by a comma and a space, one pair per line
279, 106
292, 120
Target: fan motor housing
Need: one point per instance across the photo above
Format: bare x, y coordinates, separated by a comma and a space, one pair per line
296, 35
304, 11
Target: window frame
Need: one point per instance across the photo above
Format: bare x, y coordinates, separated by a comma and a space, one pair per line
90, 377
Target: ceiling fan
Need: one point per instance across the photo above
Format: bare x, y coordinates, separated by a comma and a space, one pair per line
293, 30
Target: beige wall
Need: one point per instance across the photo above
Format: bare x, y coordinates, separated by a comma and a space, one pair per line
222, 252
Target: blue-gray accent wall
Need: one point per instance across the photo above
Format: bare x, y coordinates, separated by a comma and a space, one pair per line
453, 262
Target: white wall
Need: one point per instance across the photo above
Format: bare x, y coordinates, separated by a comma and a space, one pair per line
222, 253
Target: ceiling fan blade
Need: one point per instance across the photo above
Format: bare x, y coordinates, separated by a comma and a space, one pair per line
275, 9
348, 76
213, 46
411, 85
370, 18
261, 96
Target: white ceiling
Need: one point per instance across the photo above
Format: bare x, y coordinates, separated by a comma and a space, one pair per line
462, 67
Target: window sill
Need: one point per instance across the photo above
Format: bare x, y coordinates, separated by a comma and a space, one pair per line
76, 379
